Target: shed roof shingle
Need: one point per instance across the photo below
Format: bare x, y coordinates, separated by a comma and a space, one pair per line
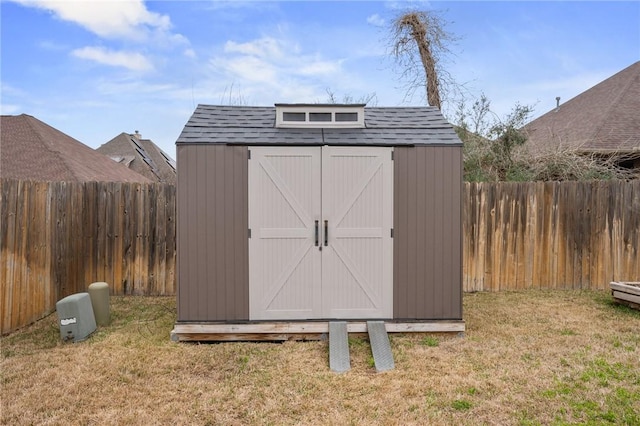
256, 126
33, 150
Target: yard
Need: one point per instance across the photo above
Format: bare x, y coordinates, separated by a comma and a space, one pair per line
528, 357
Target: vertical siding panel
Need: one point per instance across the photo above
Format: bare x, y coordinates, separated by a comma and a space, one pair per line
427, 255
203, 230
239, 198
227, 209
219, 306
422, 221
185, 286
212, 233
413, 268
400, 248
437, 275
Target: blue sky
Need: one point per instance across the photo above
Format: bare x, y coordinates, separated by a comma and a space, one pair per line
96, 69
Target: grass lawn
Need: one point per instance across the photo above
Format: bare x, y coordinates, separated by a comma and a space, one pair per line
527, 358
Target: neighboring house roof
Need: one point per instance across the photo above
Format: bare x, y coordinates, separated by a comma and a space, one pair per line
256, 126
605, 118
142, 156
33, 150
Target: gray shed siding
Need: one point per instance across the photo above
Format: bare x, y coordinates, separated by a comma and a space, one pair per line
213, 281
427, 249
213, 251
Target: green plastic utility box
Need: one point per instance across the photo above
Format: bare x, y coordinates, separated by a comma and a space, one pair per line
99, 293
75, 316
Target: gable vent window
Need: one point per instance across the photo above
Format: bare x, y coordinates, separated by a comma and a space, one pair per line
320, 115
346, 116
294, 116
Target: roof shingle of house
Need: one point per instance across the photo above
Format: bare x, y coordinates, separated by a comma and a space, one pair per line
142, 156
605, 118
33, 150
256, 126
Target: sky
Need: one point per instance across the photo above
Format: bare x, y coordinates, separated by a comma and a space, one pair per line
95, 69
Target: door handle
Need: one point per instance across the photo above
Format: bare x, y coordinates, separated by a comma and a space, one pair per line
326, 233
317, 232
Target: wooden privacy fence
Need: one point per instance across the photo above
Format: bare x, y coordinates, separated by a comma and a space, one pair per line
569, 235
58, 237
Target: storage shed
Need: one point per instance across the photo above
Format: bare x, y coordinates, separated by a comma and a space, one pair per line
292, 215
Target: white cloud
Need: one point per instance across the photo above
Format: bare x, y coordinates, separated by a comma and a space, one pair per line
9, 109
190, 53
376, 20
267, 59
251, 68
127, 19
53, 46
277, 69
130, 60
408, 4
266, 47
320, 67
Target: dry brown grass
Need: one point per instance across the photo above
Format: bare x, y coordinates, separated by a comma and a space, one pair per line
531, 357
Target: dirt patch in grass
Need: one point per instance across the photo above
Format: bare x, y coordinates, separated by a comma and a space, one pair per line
527, 358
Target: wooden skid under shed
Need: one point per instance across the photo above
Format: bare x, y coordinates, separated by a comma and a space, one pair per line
296, 330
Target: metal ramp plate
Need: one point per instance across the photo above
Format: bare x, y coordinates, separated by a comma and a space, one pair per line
380, 346
338, 347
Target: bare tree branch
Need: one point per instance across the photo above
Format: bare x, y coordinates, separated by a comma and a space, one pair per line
419, 43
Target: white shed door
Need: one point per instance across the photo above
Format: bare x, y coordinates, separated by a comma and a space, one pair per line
320, 221
357, 203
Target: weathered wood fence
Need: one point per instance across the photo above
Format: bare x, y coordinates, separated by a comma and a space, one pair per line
569, 235
56, 238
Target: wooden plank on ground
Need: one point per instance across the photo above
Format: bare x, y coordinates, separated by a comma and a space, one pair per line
626, 296
626, 287
302, 327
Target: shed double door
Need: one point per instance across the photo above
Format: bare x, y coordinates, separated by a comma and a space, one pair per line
320, 222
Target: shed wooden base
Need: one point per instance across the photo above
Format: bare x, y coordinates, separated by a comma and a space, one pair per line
626, 293
297, 330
